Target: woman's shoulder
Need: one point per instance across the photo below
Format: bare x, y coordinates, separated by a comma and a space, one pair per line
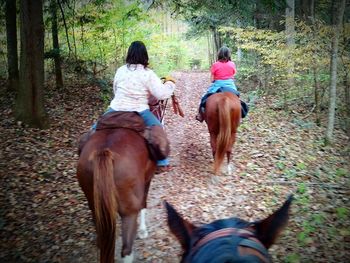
216, 64
122, 68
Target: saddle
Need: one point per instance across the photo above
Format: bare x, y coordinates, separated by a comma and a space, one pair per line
155, 136
244, 106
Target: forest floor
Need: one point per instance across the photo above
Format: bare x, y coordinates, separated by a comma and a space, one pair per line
44, 215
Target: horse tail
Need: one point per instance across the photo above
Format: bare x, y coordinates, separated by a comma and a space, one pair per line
224, 136
105, 203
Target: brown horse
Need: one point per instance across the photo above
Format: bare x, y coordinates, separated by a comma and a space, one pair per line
222, 115
115, 172
228, 240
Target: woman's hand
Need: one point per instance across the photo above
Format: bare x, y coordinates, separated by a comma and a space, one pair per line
168, 78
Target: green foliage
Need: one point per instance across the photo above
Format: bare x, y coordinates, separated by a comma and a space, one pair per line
104, 30
310, 228
292, 258
303, 197
280, 165
290, 173
341, 172
301, 166
267, 56
100, 33
342, 213
301, 188
167, 54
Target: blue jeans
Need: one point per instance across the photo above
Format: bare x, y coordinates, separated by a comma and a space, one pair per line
227, 85
217, 84
150, 120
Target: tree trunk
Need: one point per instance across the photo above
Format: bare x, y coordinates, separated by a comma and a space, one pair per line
216, 40
290, 32
307, 8
11, 35
65, 25
310, 19
210, 57
347, 101
212, 47
239, 50
337, 18
55, 44
73, 32
317, 95
29, 105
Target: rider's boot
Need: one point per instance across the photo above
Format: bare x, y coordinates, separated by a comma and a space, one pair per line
199, 116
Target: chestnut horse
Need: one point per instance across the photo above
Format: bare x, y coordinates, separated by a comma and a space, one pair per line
222, 115
115, 172
228, 240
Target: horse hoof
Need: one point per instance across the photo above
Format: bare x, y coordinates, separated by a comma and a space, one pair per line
128, 258
143, 234
230, 169
214, 179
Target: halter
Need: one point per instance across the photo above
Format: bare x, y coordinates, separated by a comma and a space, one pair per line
249, 240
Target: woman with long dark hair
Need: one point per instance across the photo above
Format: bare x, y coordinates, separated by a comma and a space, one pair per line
134, 82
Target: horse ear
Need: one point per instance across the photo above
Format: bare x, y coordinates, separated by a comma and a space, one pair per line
269, 229
180, 227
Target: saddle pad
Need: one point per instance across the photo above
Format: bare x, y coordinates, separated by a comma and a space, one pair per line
121, 119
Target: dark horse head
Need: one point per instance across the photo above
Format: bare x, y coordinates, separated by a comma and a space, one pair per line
228, 240
222, 115
114, 172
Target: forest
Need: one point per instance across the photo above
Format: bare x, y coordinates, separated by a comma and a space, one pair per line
57, 63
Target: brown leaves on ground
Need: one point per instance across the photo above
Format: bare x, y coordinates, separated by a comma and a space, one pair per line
44, 216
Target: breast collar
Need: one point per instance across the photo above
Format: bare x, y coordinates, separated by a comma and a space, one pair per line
248, 240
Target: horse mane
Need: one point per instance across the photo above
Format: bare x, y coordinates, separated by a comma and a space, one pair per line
233, 222
222, 249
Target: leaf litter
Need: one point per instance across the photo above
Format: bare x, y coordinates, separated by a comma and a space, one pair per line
44, 215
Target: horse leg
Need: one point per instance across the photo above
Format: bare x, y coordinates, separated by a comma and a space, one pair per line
143, 232
129, 227
213, 145
230, 166
214, 179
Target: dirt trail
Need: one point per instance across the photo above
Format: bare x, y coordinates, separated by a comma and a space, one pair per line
44, 215
188, 186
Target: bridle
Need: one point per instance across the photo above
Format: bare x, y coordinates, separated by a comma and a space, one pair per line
248, 239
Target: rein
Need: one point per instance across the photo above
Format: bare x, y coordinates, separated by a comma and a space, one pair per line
158, 107
249, 240
176, 106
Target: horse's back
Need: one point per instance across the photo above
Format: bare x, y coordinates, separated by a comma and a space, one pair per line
126, 143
